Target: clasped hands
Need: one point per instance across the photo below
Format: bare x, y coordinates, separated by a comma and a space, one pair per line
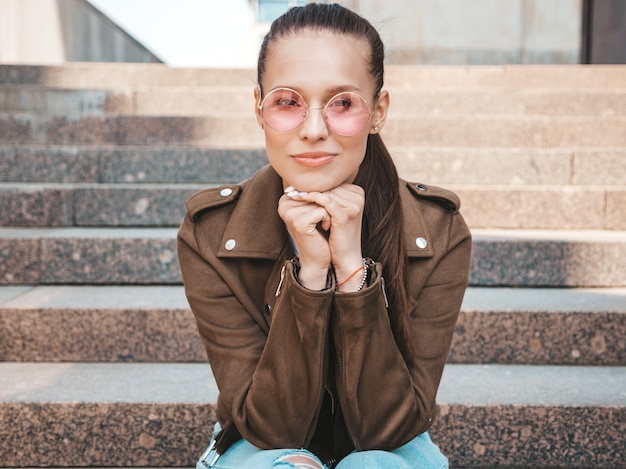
326, 230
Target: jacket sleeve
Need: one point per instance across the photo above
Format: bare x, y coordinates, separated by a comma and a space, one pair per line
270, 383
387, 402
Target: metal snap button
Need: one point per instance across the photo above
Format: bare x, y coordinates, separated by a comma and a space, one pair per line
421, 243
230, 244
226, 192
420, 187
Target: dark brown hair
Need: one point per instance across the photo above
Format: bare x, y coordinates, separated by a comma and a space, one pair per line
382, 234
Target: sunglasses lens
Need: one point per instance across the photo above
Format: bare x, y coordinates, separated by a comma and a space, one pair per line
347, 114
283, 110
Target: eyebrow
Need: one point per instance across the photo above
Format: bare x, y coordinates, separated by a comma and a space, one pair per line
339, 89
328, 92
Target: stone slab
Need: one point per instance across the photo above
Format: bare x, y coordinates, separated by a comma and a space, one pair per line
146, 76
536, 207
508, 102
437, 165
242, 131
599, 167
125, 75
154, 324
486, 166
583, 258
532, 416
8, 293
435, 101
146, 383
129, 164
181, 165
180, 101
540, 338
616, 210
504, 436
505, 131
489, 76
541, 326
115, 297
99, 324
98, 335
35, 205
64, 101
50, 163
74, 414
114, 260
105, 435
20, 261
149, 204
545, 258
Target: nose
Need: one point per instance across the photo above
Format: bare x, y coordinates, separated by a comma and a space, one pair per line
314, 126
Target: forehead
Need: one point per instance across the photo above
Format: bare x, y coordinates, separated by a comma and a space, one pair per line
315, 61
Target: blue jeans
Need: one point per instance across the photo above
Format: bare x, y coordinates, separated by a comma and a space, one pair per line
419, 453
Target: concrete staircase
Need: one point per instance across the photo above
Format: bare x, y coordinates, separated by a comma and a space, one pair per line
100, 363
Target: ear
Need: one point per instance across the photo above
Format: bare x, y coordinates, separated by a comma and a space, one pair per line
380, 112
257, 102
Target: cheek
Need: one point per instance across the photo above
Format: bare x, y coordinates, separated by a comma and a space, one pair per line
275, 146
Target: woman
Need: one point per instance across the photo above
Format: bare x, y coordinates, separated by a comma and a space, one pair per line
325, 289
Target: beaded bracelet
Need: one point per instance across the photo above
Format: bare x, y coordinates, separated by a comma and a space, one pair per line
364, 277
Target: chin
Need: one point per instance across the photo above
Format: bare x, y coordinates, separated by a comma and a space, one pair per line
312, 185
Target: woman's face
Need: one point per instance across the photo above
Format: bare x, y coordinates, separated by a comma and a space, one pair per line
318, 65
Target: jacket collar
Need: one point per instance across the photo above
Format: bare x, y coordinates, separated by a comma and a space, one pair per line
254, 224
417, 238
259, 232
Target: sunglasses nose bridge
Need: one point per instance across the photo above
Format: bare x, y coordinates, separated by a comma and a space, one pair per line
307, 114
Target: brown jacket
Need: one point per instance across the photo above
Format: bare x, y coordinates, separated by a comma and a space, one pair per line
281, 353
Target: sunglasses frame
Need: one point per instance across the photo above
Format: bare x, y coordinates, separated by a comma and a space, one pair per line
307, 108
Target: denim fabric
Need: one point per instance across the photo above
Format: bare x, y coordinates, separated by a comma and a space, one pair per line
419, 453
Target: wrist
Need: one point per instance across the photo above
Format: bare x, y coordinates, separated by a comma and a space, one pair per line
355, 280
313, 278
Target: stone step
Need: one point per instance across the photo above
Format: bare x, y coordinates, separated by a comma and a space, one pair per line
149, 204
223, 100
147, 76
544, 207
110, 205
242, 131
438, 165
133, 164
161, 415
60, 101
571, 258
154, 324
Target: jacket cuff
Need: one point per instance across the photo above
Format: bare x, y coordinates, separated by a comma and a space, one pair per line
359, 309
301, 301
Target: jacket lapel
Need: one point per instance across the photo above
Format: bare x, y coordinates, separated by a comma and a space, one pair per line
254, 226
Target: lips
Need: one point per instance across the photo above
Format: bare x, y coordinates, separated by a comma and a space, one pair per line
314, 158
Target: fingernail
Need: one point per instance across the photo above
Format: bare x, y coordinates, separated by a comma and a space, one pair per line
293, 193
289, 189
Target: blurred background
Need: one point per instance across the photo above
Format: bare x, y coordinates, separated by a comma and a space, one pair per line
227, 33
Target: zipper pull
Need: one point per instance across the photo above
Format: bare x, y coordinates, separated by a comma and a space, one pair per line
282, 279
382, 285
332, 399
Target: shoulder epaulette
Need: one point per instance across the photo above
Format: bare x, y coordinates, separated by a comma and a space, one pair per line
211, 198
447, 199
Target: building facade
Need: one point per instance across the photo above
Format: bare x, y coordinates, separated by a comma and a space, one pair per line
58, 31
488, 31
